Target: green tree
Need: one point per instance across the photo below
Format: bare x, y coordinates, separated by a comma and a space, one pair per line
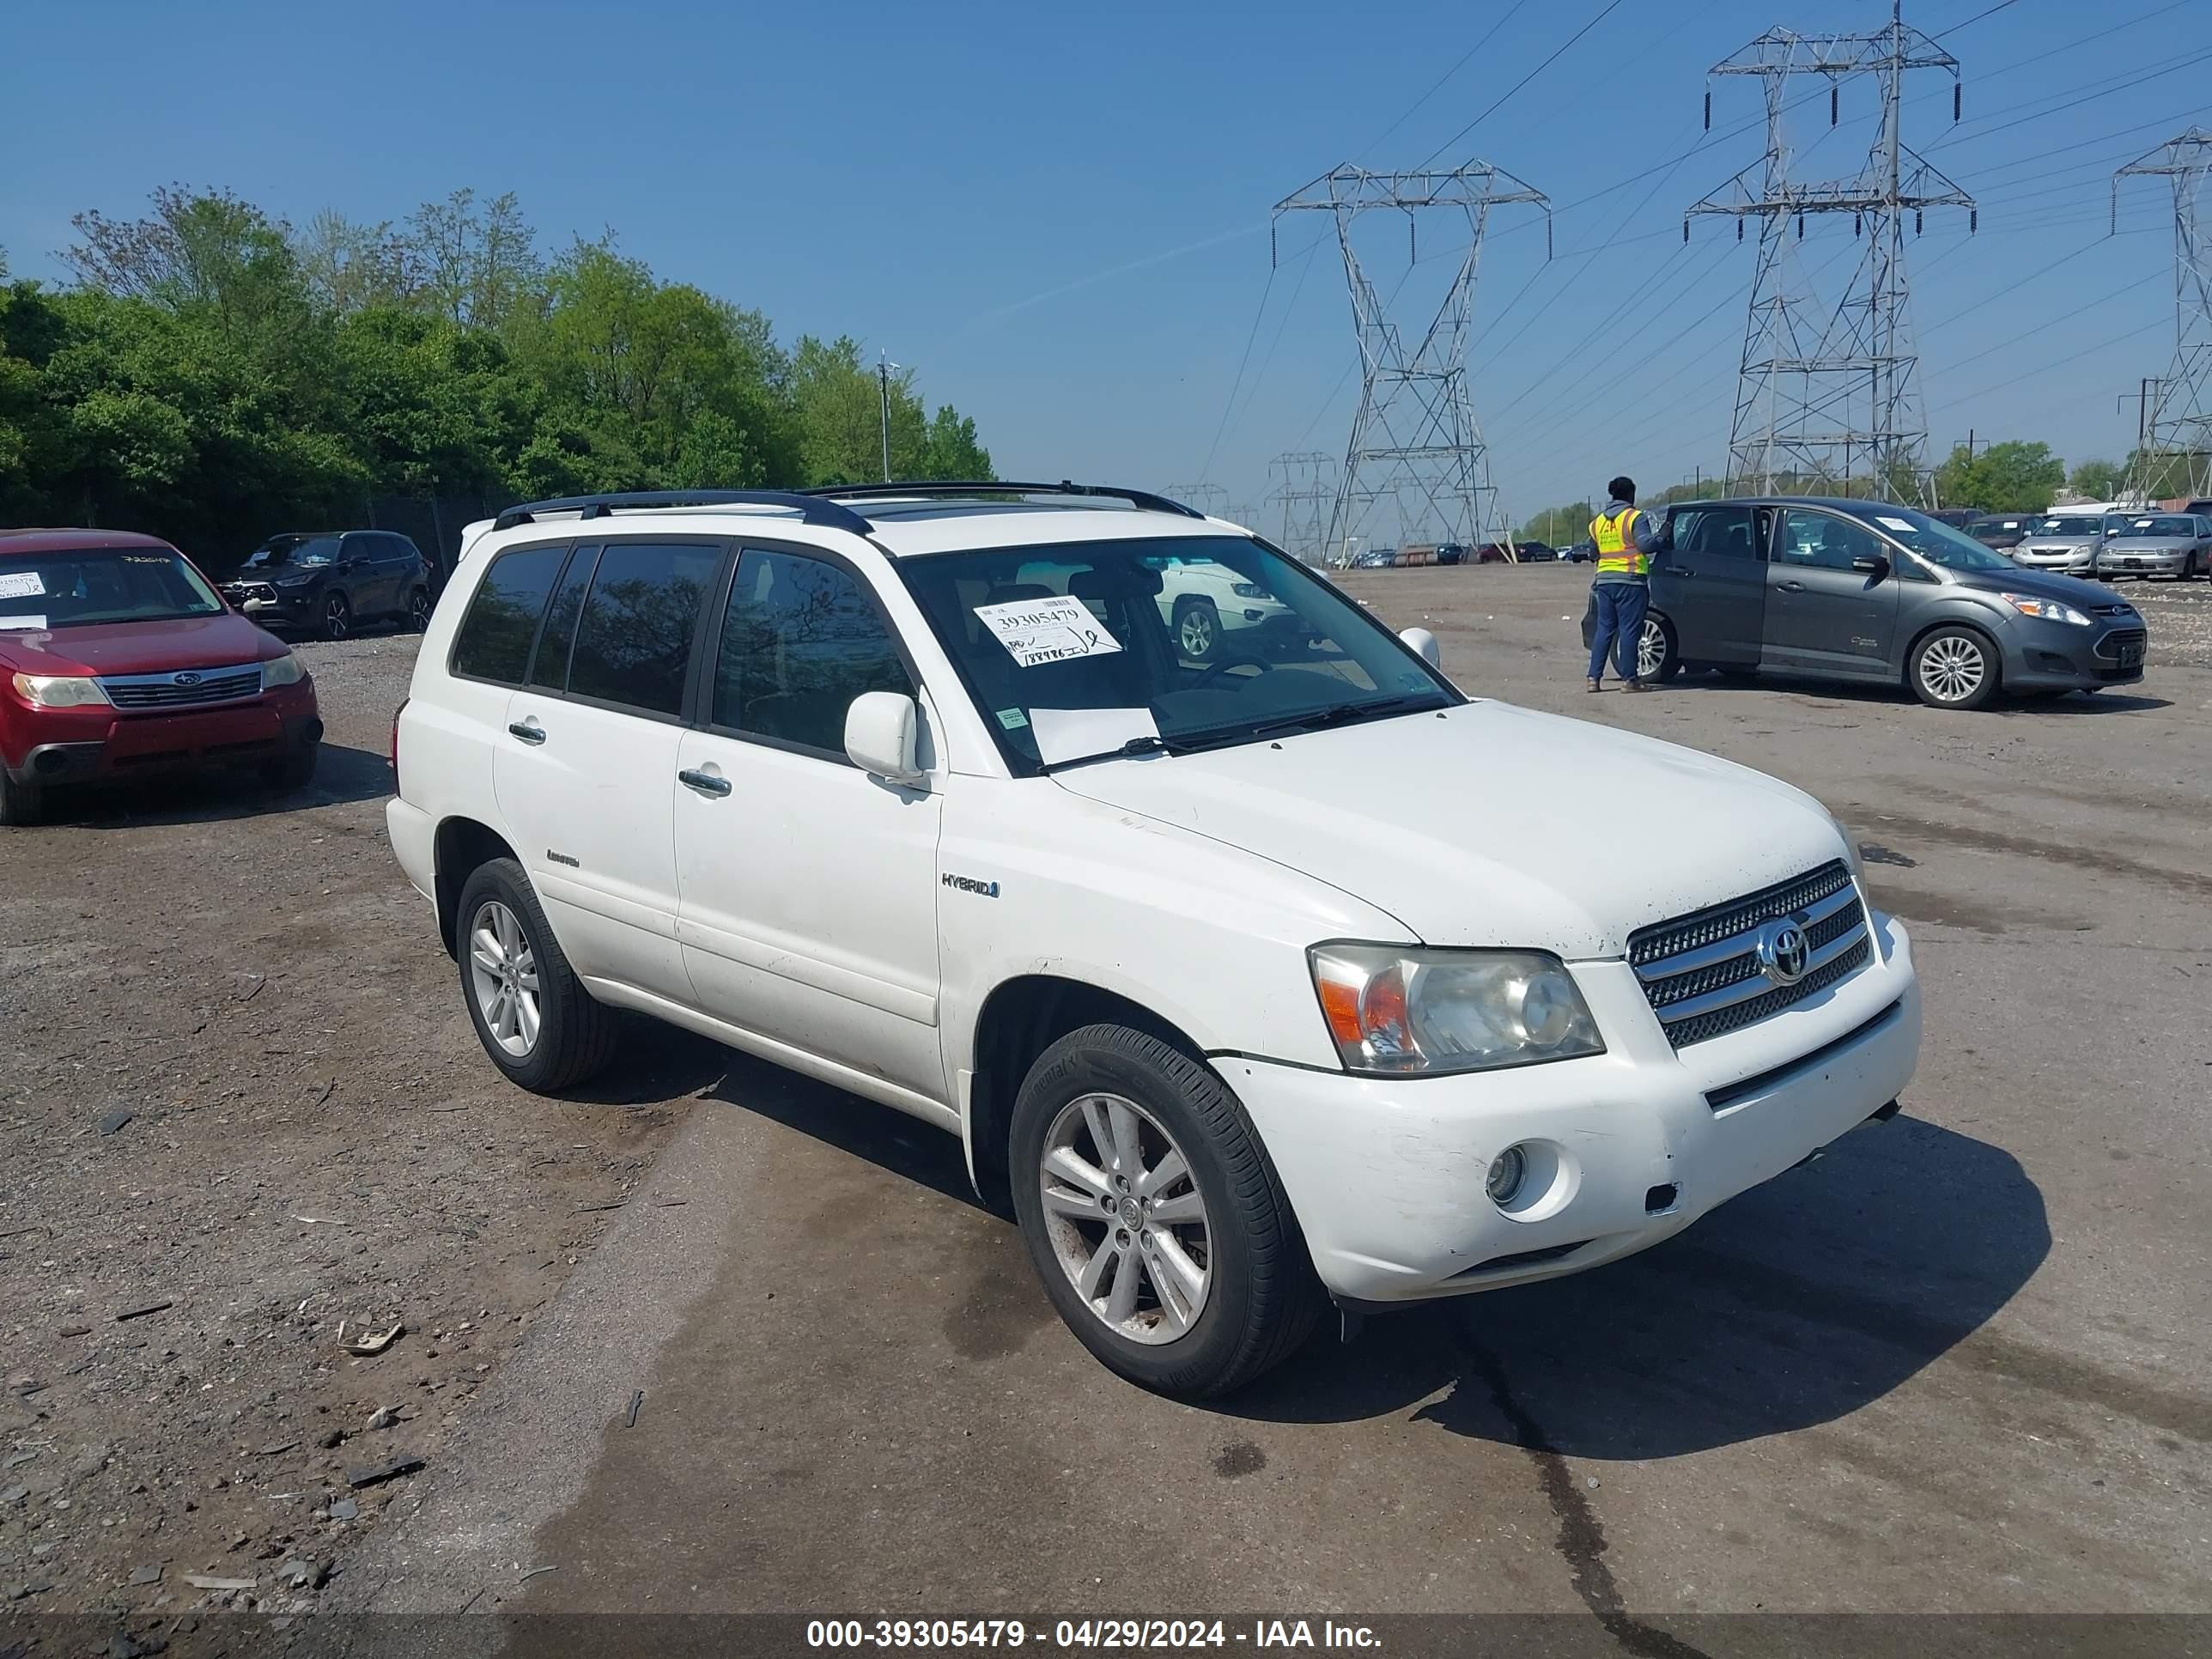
2098, 481
2015, 477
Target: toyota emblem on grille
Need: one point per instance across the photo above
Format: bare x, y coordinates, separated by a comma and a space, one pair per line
1783, 951
186, 679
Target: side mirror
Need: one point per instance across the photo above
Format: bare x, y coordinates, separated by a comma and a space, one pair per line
1872, 563
882, 730
1424, 646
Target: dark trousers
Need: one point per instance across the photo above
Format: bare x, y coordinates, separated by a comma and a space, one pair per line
1619, 623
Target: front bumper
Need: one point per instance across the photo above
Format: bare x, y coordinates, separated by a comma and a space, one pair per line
1386, 1175
2069, 561
2112, 563
2050, 656
90, 744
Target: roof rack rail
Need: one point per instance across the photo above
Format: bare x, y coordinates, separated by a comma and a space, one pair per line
811, 509
1141, 499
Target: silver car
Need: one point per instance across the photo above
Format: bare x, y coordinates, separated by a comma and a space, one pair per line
2064, 542
2177, 544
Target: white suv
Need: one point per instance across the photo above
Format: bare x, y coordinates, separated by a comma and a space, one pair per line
1290, 976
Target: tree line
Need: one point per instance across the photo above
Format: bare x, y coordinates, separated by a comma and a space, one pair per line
2013, 477
214, 373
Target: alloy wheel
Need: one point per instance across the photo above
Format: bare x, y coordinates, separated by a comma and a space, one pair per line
503, 975
1127, 1221
1195, 633
338, 619
1650, 650
1953, 669
418, 611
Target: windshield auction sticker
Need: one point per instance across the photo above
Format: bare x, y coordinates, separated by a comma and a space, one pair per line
28, 624
21, 584
1046, 630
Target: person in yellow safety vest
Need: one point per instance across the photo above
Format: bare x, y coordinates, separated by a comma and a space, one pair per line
1627, 537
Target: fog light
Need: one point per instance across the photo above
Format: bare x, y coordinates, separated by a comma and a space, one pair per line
1507, 1172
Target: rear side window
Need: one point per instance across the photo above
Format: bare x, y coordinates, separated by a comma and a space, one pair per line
493, 641
550, 667
801, 640
635, 634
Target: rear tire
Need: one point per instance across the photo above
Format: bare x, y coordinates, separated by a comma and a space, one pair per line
1955, 667
1656, 656
418, 611
21, 804
1256, 1297
565, 1037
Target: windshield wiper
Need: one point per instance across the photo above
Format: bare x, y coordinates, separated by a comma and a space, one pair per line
1345, 713
1146, 744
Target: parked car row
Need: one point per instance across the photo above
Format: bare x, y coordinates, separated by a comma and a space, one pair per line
2105, 545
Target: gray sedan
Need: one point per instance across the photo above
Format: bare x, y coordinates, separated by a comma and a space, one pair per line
2064, 542
2177, 544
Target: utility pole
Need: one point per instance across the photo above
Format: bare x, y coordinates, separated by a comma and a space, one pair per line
883, 388
1414, 445
1803, 371
2175, 429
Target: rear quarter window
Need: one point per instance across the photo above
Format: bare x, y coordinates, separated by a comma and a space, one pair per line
495, 638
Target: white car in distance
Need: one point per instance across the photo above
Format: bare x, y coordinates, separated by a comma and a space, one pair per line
1248, 984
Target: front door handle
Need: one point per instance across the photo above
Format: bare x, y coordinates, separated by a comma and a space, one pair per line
1793, 588
705, 783
1676, 570
531, 734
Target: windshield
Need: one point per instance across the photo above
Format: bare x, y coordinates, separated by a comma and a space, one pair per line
2071, 526
85, 586
1089, 649
294, 551
1936, 542
2168, 526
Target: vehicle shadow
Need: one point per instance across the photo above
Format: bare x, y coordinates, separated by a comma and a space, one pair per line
1857, 691
1797, 1303
656, 1063
342, 774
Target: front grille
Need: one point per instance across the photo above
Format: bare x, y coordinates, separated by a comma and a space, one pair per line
1702, 973
2115, 642
238, 593
164, 690
2121, 609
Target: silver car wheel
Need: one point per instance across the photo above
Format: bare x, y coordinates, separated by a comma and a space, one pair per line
1127, 1221
1953, 669
1195, 632
503, 978
1650, 650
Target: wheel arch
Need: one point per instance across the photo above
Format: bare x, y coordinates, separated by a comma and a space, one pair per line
463, 846
1020, 1019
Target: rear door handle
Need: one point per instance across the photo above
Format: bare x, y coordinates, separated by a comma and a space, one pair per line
1793, 588
532, 734
705, 783
1677, 570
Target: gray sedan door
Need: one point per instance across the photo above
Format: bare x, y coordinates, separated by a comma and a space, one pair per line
1831, 596
1711, 583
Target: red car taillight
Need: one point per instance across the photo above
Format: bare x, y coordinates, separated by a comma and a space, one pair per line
396, 713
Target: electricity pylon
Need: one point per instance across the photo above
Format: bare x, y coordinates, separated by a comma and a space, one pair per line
1414, 443
1209, 499
2177, 444
1307, 490
1818, 398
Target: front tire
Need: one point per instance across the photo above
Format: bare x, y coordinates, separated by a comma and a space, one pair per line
1153, 1217
21, 804
1954, 668
533, 1014
337, 617
296, 771
1198, 629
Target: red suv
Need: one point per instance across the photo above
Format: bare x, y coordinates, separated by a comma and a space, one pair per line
118, 658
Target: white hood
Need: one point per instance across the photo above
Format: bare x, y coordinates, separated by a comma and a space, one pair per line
1489, 824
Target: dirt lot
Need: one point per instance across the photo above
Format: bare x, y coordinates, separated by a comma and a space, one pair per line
315, 1151
1958, 1364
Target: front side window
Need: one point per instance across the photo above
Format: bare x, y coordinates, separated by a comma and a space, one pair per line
634, 633
1822, 542
800, 640
86, 586
494, 641
1074, 651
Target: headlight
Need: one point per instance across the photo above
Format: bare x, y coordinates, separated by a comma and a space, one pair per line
1851, 853
58, 690
1394, 1010
282, 671
1250, 591
2044, 610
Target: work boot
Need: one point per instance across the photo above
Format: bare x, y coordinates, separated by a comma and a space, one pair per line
1632, 685
1596, 686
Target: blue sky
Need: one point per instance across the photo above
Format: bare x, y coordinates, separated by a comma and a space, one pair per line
1060, 215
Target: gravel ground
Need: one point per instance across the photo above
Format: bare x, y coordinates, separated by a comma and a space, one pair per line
248, 1123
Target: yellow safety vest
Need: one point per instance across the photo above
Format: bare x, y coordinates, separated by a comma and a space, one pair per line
1616, 551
